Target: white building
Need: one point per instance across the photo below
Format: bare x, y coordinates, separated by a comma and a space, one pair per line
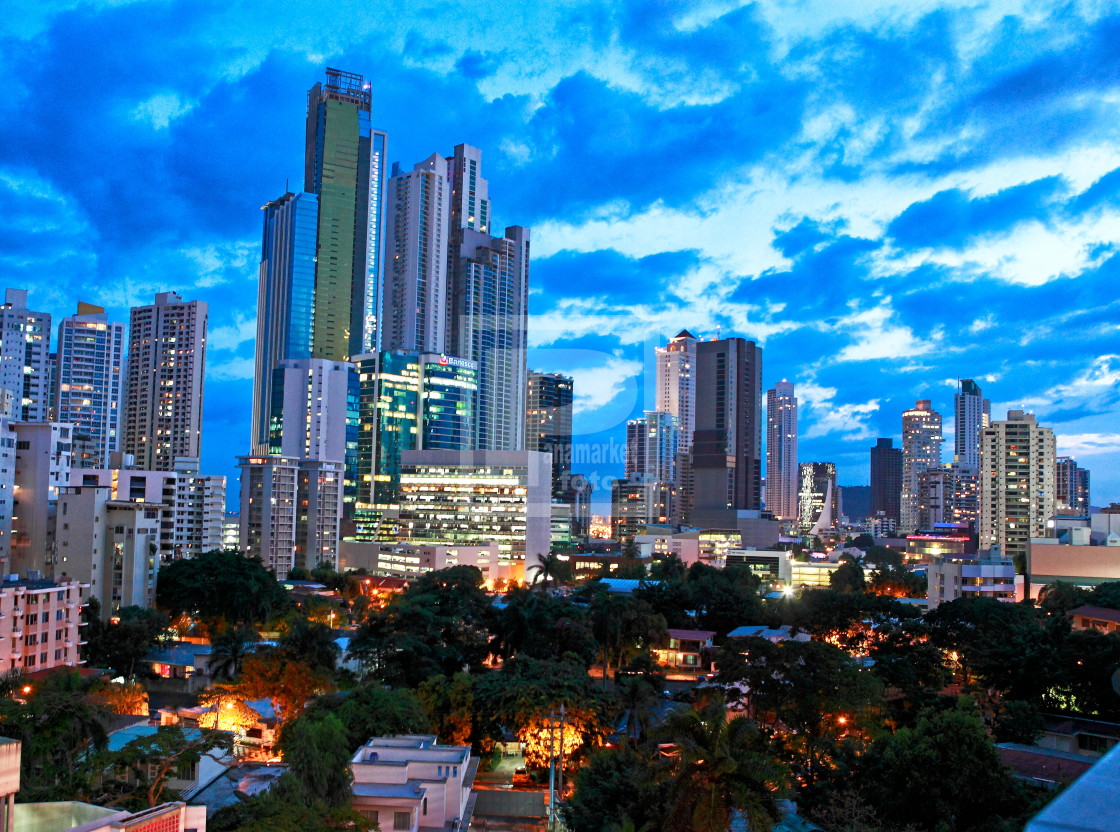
651, 446
166, 360
90, 380
960, 576
972, 414
416, 290
410, 560
469, 498
921, 450
111, 545
781, 451
411, 783
25, 338
1017, 483
43, 459
676, 394
308, 419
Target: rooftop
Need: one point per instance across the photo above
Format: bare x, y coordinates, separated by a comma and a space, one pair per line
1104, 613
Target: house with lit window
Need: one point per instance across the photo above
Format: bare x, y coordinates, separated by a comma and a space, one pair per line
684, 650
412, 783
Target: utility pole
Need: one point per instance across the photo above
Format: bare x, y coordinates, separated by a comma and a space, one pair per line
552, 769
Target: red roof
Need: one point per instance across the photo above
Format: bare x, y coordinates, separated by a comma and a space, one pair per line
1043, 766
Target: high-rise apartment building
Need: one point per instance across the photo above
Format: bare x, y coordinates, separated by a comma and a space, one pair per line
651, 447
90, 380
727, 441
1072, 486
1017, 483
818, 498
25, 339
949, 493
344, 164
409, 401
416, 286
921, 450
43, 453
676, 395
886, 480
285, 297
781, 451
309, 418
637, 503
548, 426
163, 400
972, 414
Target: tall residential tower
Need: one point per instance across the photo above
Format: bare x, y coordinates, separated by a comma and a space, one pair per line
921, 450
781, 451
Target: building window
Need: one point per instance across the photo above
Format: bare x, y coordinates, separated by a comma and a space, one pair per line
402, 820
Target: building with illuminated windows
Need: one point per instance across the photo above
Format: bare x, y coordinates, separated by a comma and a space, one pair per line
921, 450
781, 451
818, 499
638, 503
90, 380
676, 395
163, 400
1073, 486
548, 427
1017, 483
886, 482
25, 365
409, 401
972, 413
42, 467
469, 498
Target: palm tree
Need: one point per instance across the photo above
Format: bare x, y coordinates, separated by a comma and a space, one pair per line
637, 706
548, 569
228, 652
717, 770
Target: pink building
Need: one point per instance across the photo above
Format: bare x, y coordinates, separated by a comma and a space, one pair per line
39, 625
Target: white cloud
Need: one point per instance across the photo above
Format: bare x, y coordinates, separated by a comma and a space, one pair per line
233, 369
239, 330
161, 109
876, 337
596, 387
1088, 444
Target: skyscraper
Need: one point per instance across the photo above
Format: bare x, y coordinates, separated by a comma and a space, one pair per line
972, 415
921, 450
344, 166
1073, 486
886, 480
548, 427
651, 447
163, 402
676, 395
285, 297
1017, 484
409, 401
818, 499
90, 380
416, 276
727, 441
781, 451
25, 339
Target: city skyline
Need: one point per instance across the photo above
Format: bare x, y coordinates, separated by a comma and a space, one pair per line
903, 238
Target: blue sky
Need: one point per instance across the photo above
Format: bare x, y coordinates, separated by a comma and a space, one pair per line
887, 196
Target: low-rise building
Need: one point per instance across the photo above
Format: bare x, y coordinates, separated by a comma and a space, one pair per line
684, 650
987, 576
1078, 556
410, 560
39, 625
1101, 619
412, 783
813, 573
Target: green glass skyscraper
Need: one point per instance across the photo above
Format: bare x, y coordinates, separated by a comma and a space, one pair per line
344, 162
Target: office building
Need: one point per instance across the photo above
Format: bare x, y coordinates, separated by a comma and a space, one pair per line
166, 363
7, 492
89, 380
1072, 486
468, 498
409, 401
42, 467
972, 414
285, 297
310, 409
416, 286
727, 441
345, 161
818, 498
651, 447
1017, 483
676, 395
638, 503
109, 544
548, 427
25, 339
886, 481
781, 451
581, 491
921, 450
